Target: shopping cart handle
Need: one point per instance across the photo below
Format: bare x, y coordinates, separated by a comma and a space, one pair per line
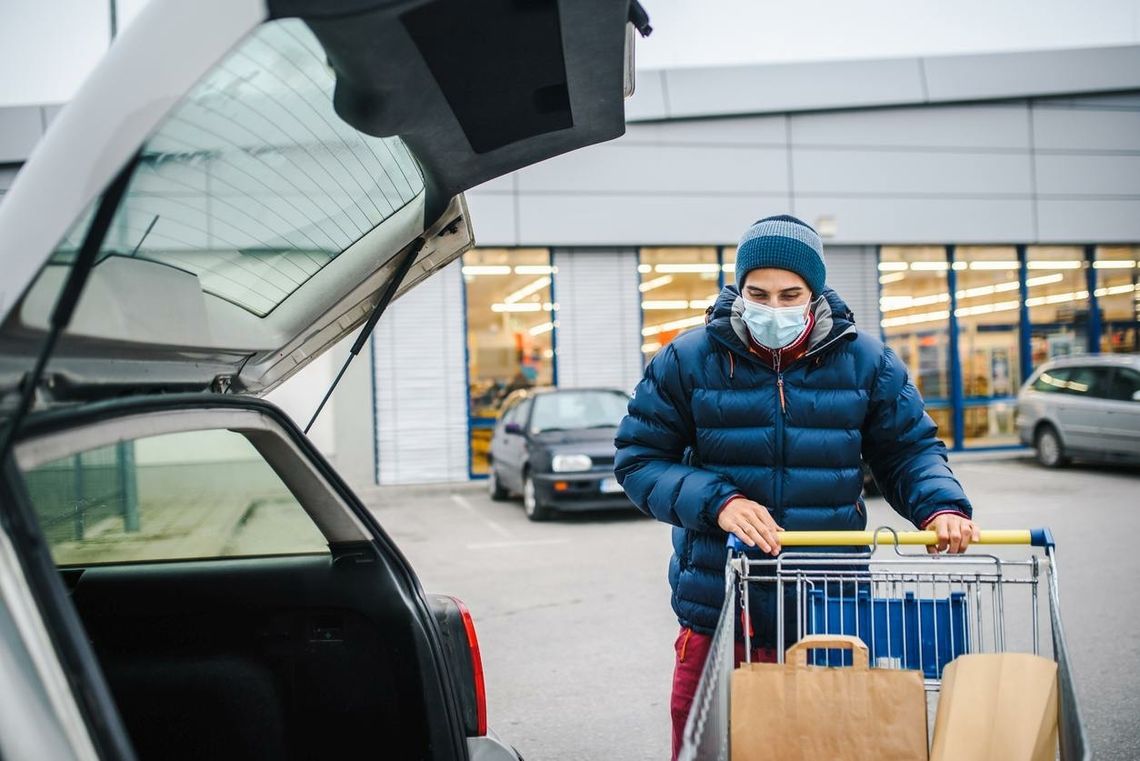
1035, 537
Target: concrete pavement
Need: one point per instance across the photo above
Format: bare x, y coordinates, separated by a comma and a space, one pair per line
577, 632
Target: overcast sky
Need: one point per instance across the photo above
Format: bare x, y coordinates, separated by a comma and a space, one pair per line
47, 47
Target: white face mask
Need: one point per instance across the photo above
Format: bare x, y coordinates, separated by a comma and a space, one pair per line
775, 327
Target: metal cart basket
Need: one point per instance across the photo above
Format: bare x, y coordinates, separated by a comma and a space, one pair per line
913, 610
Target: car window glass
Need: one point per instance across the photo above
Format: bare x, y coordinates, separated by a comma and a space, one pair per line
253, 183
1051, 381
511, 414
570, 410
522, 411
191, 495
1124, 385
1087, 381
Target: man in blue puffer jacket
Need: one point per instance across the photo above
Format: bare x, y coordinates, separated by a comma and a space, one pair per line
760, 421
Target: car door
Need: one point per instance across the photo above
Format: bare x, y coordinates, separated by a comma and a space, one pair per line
515, 442
500, 441
1122, 411
1081, 408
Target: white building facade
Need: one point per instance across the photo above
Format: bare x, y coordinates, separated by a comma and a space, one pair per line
981, 213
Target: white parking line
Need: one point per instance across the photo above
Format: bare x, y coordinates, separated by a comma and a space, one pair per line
460, 500
517, 543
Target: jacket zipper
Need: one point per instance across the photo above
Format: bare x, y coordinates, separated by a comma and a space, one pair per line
779, 485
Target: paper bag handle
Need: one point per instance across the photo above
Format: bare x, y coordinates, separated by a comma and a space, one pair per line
797, 653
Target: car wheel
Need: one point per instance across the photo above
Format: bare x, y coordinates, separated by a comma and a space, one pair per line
1050, 452
494, 487
534, 508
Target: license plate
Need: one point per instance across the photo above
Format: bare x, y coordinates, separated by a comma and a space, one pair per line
611, 486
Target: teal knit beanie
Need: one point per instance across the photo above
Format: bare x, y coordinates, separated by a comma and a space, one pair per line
786, 243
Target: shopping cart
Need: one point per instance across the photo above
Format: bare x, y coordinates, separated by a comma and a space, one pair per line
913, 610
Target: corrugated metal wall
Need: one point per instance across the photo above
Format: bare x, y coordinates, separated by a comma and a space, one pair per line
599, 318
421, 384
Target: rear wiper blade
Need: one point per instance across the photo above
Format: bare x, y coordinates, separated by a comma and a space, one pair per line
69, 295
386, 297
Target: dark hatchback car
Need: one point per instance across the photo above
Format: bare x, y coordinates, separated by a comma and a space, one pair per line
556, 448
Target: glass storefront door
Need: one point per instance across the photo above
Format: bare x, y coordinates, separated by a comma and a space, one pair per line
1058, 302
677, 286
1118, 274
511, 319
989, 346
915, 304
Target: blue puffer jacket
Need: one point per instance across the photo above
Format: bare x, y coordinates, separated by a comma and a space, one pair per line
706, 423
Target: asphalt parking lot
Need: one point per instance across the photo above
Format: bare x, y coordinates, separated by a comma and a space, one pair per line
576, 629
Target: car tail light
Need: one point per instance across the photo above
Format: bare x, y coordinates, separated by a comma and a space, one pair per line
465, 662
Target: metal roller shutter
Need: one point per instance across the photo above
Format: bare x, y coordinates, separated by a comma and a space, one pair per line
599, 318
853, 271
421, 384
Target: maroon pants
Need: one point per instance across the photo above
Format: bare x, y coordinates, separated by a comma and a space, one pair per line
692, 650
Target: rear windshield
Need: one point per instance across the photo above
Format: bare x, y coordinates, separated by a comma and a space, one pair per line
573, 410
253, 183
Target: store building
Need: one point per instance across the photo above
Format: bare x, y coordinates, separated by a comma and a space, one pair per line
981, 213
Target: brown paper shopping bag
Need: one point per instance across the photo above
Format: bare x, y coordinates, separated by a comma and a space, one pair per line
997, 707
795, 711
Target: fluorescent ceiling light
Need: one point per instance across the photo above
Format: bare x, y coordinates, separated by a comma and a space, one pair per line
1114, 264
535, 269
687, 268
892, 266
929, 266
649, 348
545, 327
894, 277
914, 319
728, 267
1057, 264
1115, 290
1010, 264
656, 282
644, 269
688, 322
702, 303
486, 269
527, 290
895, 303
665, 305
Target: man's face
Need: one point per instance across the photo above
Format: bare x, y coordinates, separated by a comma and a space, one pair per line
776, 288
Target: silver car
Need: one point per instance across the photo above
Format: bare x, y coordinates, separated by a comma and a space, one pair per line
1085, 407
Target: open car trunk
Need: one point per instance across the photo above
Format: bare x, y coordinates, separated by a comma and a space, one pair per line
264, 623
283, 165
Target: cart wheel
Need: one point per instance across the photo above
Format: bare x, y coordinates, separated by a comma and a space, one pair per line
535, 510
494, 487
1050, 451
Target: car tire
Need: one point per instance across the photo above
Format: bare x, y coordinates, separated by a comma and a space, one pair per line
495, 487
532, 505
1050, 451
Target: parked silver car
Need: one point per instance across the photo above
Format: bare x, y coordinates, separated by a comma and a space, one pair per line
1082, 407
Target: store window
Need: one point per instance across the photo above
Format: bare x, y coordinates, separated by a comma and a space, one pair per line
988, 310
677, 286
1118, 273
728, 257
1058, 302
511, 319
915, 303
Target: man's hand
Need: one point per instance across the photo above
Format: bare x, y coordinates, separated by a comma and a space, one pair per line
752, 524
955, 533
